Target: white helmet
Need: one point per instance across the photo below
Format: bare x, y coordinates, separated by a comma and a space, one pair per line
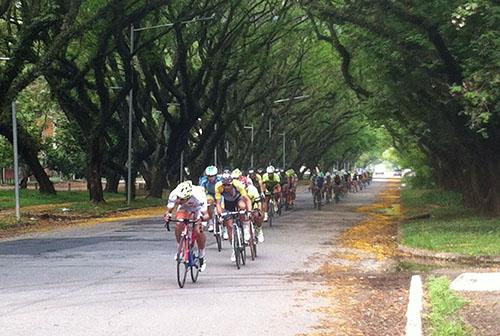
211, 171
185, 190
236, 173
270, 170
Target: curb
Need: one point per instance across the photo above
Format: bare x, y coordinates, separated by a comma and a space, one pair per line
411, 252
414, 311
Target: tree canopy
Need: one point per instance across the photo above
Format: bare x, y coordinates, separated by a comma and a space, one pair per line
205, 76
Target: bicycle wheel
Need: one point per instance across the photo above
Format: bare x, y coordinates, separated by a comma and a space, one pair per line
217, 234
182, 263
251, 242
242, 247
195, 268
270, 212
318, 200
236, 248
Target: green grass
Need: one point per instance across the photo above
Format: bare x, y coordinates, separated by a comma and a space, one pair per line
444, 305
451, 227
77, 201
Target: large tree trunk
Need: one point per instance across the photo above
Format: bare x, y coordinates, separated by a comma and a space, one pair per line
29, 153
112, 183
96, 194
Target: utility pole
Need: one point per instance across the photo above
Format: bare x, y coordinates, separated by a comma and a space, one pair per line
16, 162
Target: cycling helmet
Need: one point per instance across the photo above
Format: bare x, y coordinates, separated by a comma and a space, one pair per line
236, 173
270, 170
260, 170
185, 190
251, 171
226, 178
320, 174
328, 174
211, 171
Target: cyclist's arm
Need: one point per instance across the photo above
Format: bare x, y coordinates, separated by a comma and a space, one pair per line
218, 197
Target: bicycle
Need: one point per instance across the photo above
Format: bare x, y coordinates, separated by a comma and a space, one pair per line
328, 193
238, 236
217, 231
317, 198
187, 259
270, 210
252, 241
281, 202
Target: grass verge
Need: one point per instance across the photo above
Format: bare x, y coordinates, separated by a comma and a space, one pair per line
442, 319
64, 206
450, 227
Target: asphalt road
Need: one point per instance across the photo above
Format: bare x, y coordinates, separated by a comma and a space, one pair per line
119, 279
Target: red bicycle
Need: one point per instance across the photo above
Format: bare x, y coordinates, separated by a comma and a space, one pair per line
187, 259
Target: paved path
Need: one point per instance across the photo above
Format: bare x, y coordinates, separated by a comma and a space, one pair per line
119, 279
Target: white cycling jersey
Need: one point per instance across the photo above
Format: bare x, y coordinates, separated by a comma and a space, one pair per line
196, 203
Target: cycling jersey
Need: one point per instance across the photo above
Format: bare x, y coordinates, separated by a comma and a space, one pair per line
254, 195
270, 183
233, 195
256, 179
209, 187
319, 181
196, 203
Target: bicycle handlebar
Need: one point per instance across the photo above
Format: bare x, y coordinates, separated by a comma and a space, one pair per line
182, 220
232, 213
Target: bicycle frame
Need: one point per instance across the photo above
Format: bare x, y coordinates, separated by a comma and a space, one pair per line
238, 235
185, 254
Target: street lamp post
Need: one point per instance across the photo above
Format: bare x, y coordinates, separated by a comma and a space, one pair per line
131, 94
251, 142
16, 162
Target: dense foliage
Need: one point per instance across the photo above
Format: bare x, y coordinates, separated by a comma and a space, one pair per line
421, 77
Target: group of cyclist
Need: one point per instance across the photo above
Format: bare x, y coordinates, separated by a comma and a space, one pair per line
336, 184
219, 192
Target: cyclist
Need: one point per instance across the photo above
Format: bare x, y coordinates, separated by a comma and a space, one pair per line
283, 185
271, 182
256, 180
255, 198
208, 182
337, 186
318, 184
189, 201
292, 179
235, 198
328, 189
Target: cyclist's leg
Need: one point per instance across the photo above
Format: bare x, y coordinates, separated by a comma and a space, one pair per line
245, 219
181, 214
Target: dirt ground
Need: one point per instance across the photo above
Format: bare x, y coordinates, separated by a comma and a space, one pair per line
366, 293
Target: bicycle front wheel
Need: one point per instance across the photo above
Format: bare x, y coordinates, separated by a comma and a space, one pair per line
270, 211
242, 249
182, 263
236, 247
217, 234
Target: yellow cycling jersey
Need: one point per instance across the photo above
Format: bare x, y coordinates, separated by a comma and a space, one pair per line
235, 193
270, 182
257, 179
254, 195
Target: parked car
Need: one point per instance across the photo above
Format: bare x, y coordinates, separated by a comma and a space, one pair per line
397, 172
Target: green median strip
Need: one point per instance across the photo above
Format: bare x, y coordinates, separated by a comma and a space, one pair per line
442, 318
